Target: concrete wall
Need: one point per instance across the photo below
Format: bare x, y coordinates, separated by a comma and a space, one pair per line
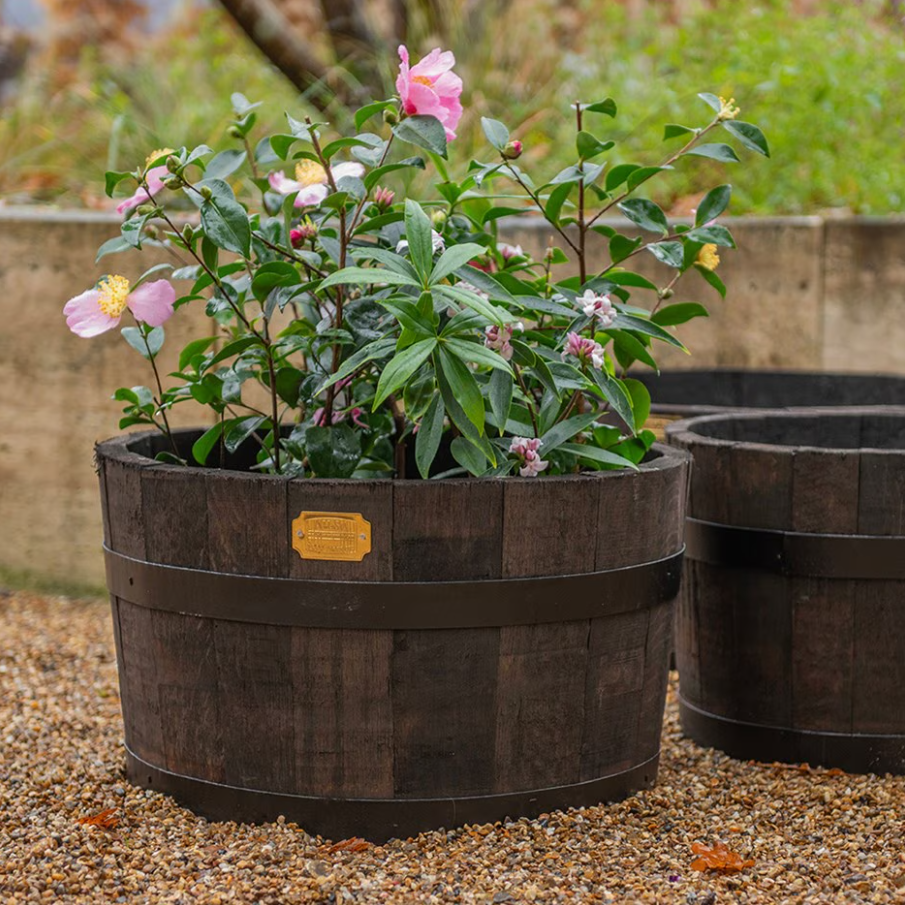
803, 293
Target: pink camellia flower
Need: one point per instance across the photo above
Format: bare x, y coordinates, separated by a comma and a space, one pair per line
526, 449
100, 309
154, 178
311, 181
584, 349
430, 88
512, 150
598, 306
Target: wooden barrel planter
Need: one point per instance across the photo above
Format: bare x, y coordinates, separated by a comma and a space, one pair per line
685, 393
791, 620
472, 650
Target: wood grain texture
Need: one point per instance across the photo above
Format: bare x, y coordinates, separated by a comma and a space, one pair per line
825, 488
444, 690
123, 505
245, 518
881, 499
447, 530
175, 517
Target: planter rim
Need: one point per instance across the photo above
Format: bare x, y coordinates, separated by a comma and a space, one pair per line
687, 431
121, 449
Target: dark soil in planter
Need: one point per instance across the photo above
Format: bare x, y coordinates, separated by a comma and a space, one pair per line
501, 650
791, 624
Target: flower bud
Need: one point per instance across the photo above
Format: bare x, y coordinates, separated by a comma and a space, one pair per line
173, 164
174, 183
143, 209
383, 198
206, 192
306, 230
391, 116
188, 233
234, 132
512, 150
438, 219
666, 294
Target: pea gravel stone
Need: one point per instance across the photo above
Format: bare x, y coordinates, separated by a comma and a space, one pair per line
816, 835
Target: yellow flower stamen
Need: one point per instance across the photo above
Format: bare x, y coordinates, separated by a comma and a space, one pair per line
114, 291
423, 80
707, 257
156, 155
728, 110
310, 172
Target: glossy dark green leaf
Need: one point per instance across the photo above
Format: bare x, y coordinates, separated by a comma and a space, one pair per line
714, 151
224, 220
224, 164
645, 214
399, 368
423, 131
715, 235
673, 130
713, 204
202, 447
497, 134
669, 253
749, 135
464, 387
680, 313
427, 440
500, 395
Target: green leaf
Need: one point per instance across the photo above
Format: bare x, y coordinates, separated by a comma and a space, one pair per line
270, 276
749, 135
477, 353
112, 180
380, 348
627, 278
281, 144
674, 130
418, 233
475, 302
497, 134
621, 247
716, 235
646, 328
629, 349
642, 174
112, 246
556, 200
136, 338
453, 258
714, 151
500, 397
711, 278
196, 347
711, 100
618, 175
640, 396
669, 253
224, 164
372, 178
363, 276
565, 430
713, 204
224, 220
202, 447
410, 317
464, 387
399, 368
607, 107
238, 430
333, 452
617, 396
363, 114
427, 440
423, 131
468, 456
589, 146
645, 214
680, 313
495, 213
594, 454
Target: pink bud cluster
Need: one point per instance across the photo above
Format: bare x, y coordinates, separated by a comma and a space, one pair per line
584, 349
531, 462
497, 338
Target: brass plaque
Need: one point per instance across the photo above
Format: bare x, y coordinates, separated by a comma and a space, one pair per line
338, 536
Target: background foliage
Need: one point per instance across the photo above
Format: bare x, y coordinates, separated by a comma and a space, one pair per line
821, 79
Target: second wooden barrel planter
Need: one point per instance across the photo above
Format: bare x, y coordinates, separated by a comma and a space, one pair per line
685, 393
791, 621
378, 658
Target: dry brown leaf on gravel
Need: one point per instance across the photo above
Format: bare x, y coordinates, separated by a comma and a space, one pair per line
355, 844
720, 858
105, 820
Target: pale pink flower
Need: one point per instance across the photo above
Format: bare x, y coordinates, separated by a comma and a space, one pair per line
437, 244
383, 198
497, 338
584, 349
311, 181
470, 287
430, 88
100, 309
154, 178
526, 449
336, 417
598, 306
508, 252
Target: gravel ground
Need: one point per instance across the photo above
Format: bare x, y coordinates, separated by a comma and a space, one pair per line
814, 835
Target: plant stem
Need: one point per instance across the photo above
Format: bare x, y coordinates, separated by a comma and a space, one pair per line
582, 226
528, 398
159, 399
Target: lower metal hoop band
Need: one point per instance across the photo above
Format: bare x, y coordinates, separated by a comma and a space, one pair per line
392, 605
854, 753
381, 819
852, 556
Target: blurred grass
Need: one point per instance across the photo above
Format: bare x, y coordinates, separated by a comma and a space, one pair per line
824, 88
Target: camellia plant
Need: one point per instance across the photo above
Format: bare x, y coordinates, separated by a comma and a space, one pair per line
357, 333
